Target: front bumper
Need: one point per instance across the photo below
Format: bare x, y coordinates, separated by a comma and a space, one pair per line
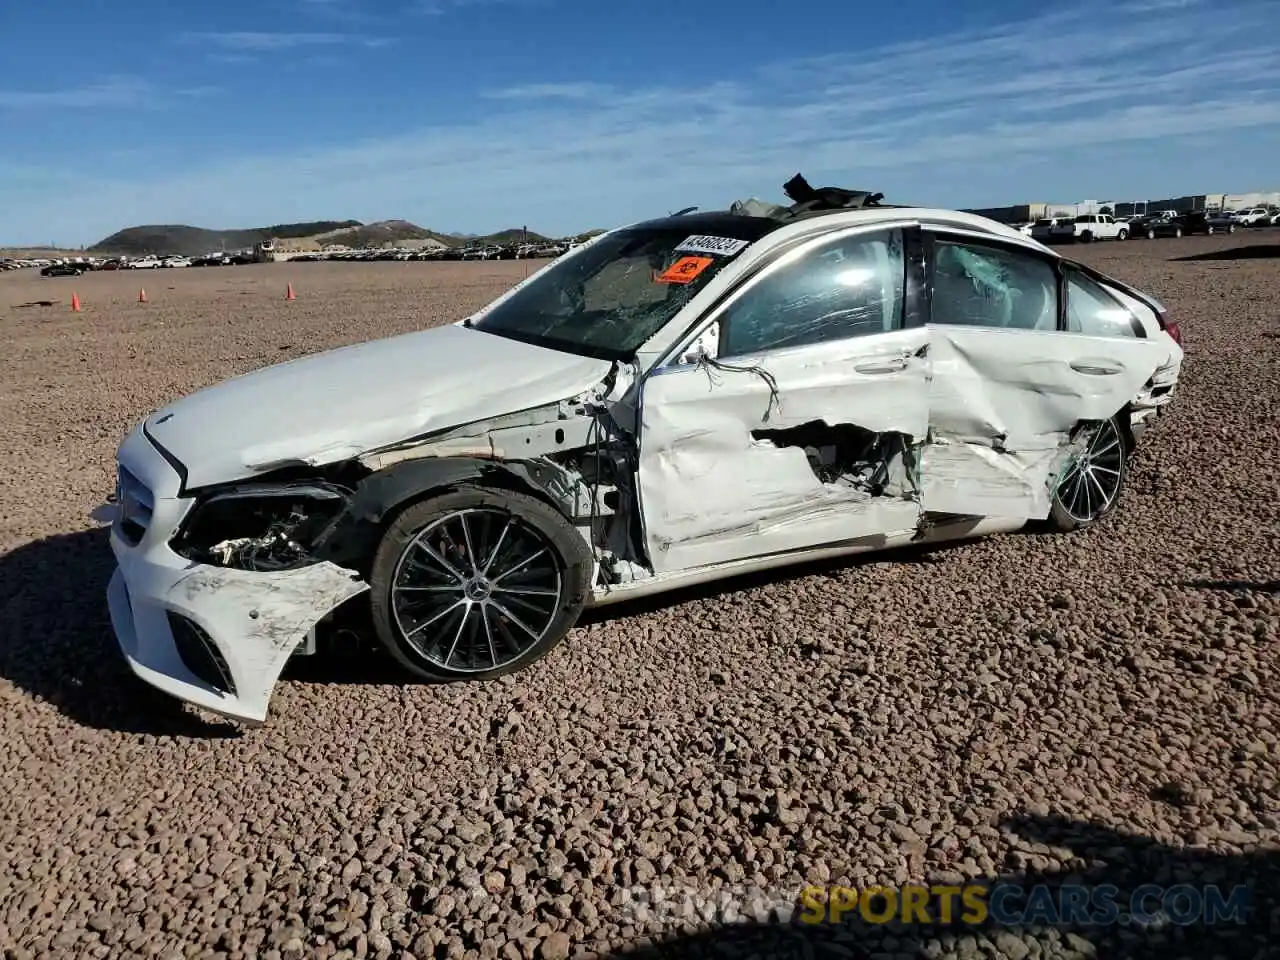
212, 636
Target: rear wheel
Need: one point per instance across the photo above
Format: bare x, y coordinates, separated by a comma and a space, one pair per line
1151, 234
1086, 237
1089, 489
1209, 230
1122, 235
477, 583
1177, 231
1231, 228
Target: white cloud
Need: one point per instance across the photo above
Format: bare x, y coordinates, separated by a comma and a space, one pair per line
551, 91
438, 7
950, 116
255, 42
344, 11
116, 92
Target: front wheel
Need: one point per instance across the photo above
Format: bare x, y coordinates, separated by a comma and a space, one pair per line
1231, 229
1209, 230
477, 583
1151, 234
1089, 489
1177, 231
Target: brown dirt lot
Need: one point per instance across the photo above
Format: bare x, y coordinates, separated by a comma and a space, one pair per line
1024, 707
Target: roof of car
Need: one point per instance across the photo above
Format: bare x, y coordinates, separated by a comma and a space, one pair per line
716, 223
818, 207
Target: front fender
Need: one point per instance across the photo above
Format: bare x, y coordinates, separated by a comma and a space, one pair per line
352, 537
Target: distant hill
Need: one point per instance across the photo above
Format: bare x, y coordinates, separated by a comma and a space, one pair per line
191, 241
365, 235
510, 235
165, 239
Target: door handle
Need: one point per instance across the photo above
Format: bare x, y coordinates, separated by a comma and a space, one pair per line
881, 366
1096, 368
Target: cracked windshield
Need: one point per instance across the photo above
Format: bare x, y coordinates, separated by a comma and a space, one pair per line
608, 299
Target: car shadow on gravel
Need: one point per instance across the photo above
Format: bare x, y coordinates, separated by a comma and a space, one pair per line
1261, 251
56, 643
1122, 865
1235, 586
923, 555
358, 657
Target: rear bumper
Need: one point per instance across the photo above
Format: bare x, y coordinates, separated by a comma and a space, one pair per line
1155, 398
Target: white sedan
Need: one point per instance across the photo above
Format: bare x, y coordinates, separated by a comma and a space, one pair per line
673, 402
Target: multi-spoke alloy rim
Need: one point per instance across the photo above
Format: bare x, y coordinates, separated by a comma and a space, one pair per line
475, 590
1092, 481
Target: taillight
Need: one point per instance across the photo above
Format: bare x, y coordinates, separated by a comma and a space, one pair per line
1171, 328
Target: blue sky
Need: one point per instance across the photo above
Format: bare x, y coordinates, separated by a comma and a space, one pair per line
475, 115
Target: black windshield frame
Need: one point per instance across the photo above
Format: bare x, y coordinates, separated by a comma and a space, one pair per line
551, 309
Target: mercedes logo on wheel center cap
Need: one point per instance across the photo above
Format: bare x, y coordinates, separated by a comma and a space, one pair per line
477, 589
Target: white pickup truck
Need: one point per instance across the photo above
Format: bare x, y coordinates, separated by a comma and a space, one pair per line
1088, 227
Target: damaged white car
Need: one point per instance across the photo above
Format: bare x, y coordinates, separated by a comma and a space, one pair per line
676, 401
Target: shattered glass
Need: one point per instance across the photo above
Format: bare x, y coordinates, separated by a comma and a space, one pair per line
607, 300
989, 287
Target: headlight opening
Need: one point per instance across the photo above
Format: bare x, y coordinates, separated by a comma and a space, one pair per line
259, 527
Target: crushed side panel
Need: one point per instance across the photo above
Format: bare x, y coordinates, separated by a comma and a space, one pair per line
722, 480
1003, 405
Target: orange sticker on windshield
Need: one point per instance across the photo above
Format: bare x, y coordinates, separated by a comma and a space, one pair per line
685, 270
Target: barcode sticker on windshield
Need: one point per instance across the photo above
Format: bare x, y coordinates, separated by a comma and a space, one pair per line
720, 246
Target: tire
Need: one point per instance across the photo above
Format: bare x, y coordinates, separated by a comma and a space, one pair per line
481, 630
1231, 228
1177, 231
1089, 490
1209, 230
1122, 235
1151, 234
1086, 237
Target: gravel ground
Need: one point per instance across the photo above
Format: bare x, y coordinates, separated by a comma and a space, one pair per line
1028, 706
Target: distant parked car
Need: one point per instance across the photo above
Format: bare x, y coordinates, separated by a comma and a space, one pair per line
64, 270
1041, 229
1254, 217
1088, 227
145, 263
1223, 220
1197, 221
175, 262
1159, 225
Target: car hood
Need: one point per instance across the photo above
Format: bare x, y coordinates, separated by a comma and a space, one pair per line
335, 405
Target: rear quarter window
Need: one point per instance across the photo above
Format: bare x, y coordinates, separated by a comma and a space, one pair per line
1096, 311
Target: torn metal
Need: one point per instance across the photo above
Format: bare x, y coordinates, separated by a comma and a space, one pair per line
259, 618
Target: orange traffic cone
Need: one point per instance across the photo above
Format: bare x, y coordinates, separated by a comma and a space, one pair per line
142, 295
75, 302
288, 295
